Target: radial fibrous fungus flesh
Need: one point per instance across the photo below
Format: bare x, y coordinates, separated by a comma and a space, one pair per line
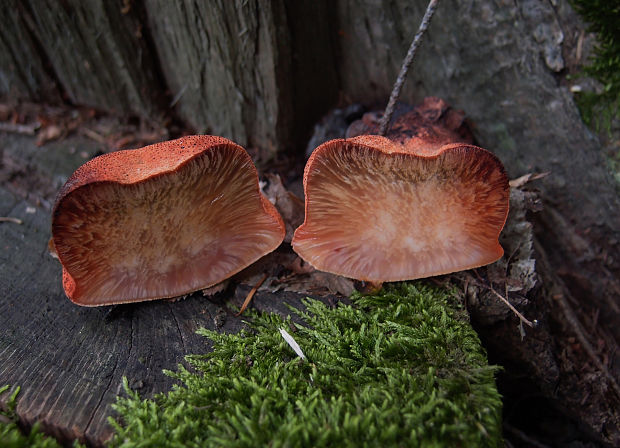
420, 202
161, 221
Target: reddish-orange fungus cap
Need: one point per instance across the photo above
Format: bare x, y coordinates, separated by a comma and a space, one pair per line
161, 221
378, 210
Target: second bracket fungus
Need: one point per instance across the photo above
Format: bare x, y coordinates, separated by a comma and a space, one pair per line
413, 205
161, 221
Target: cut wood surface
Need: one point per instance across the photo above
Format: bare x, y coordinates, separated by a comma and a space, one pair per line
68, 360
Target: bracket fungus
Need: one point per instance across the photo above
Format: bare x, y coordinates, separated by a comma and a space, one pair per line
161, 221
414, 204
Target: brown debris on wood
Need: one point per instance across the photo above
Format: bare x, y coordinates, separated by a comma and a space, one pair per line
432, 119
287, 272
51, 123
515, 272
290, 206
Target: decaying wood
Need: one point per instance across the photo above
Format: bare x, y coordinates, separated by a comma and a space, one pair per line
23, 75
96, 51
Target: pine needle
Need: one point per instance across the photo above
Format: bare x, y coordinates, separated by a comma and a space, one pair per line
250, 295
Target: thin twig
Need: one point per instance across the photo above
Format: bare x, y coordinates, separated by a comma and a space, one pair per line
398, 85
26, 129
521, 317
248, 298
512, 308
11, 219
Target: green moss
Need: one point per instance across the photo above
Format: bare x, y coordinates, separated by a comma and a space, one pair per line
11, 435
402, 367
603, 17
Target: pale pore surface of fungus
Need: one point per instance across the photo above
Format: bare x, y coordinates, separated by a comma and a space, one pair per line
384, 215
167, 235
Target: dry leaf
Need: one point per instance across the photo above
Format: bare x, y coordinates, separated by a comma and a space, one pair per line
290, 206
213, 290
49, 133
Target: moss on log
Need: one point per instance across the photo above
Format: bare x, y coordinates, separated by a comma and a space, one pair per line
400, 368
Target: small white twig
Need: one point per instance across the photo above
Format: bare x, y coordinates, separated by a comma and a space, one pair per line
26, 129
512, 308
11, 219
290, 341
398, 85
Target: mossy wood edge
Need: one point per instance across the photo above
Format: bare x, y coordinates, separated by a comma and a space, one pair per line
402, 367
599, 109
11, 435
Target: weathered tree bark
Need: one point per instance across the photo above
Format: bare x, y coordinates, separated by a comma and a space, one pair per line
22, 70
249, 71
227, 70
240, 69
97, 52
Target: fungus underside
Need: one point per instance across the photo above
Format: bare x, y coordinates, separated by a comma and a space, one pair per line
402, 367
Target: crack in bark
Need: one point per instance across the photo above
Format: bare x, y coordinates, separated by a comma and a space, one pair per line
176, 321
112, 375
